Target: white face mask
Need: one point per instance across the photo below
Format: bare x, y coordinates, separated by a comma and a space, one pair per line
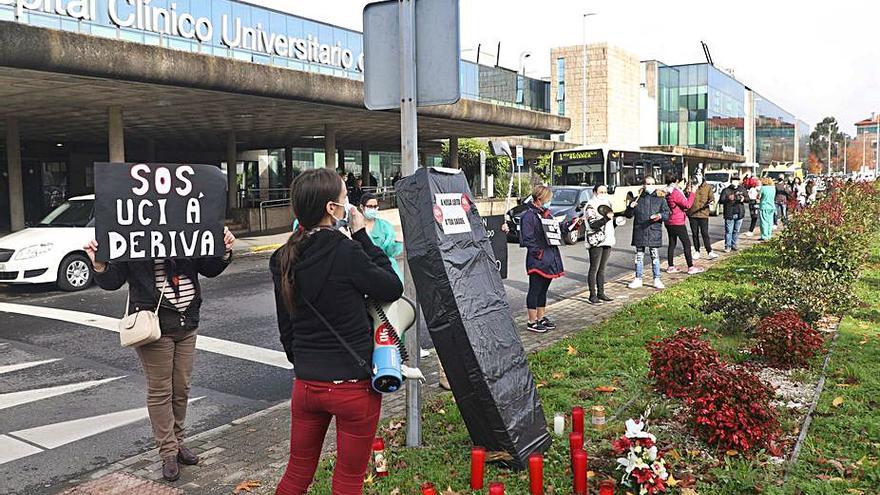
650, 188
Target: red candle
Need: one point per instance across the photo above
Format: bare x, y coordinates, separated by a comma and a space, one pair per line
536, 474
478, 465
580, 472
577, 419
575, 441
606, 487
428, 489
496, 488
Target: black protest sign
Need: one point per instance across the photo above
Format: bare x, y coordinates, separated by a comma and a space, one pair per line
499, 242
159, 210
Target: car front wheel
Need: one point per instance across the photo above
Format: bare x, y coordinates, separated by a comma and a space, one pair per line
74, 273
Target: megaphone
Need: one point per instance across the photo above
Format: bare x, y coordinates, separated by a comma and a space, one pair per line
390, 321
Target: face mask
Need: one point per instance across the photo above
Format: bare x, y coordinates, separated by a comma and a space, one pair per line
343, 222
650, 188
371, 213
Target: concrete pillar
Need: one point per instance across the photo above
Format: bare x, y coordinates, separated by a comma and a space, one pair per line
231, 172
116, 134
365, 164
453, 152
288, 166
330, 146
13, 166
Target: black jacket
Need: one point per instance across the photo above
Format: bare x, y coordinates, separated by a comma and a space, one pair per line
647, 232
335, 274
144, 295
733, 198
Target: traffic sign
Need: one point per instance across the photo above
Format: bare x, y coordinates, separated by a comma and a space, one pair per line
437, 36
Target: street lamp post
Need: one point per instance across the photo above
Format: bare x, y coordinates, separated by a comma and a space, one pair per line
584, 82
829, 150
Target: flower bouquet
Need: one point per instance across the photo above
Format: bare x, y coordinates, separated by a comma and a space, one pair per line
644, 464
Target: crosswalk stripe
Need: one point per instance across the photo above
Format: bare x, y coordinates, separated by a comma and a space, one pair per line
9, 368
238, 350
13, 399
57, 434
12, 449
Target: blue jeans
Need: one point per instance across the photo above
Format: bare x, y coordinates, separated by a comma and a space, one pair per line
731, 231
781, 214
640, 261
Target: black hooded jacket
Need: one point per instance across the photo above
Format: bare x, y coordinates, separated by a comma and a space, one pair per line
335, 274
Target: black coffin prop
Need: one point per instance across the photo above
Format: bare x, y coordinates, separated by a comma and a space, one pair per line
466, 309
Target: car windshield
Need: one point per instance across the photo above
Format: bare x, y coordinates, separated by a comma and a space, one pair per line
70, 214
564, 197
717, 176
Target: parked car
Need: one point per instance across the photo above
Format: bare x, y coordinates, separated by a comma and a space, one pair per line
567, 204
718, 179
51, 251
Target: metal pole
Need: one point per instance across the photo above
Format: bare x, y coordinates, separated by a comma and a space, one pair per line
409, 156
830, 170
844, 154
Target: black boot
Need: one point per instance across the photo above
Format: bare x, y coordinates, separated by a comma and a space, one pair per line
603, 297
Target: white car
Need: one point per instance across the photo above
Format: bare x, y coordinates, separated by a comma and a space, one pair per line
52, 251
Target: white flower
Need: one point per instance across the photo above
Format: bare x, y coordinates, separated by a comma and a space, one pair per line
652, 453
634, 429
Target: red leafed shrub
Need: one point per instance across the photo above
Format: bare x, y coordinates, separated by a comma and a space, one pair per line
786, 340
731, 410
677, 360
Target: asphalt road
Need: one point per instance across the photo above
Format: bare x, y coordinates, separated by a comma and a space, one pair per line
72, 400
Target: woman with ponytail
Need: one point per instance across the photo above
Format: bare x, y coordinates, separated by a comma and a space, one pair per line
325, 272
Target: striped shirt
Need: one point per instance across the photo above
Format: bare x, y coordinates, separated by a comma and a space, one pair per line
186, 292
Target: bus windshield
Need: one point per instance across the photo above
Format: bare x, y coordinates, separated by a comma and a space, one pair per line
717, 176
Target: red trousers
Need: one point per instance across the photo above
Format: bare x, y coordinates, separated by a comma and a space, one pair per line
356, 408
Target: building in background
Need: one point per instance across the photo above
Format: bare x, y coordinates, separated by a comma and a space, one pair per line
866, 143
610, 113
262, 93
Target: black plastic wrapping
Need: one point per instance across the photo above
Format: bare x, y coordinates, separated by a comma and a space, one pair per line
470, 321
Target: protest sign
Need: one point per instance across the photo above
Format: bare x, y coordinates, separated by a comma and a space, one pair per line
152, 210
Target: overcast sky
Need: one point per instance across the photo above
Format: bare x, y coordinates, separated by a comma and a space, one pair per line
811, 58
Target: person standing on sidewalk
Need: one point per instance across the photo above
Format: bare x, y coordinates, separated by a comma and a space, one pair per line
543, 260
381, 231
732, 198
781, 200
600, 239
679, 202
648, 212
698, 216
752, 185
167, 362
767, 204
321, 276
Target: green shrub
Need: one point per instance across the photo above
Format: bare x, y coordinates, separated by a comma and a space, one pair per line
811, 293
739, 312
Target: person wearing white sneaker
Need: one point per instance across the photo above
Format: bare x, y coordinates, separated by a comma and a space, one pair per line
733, 197
648, 212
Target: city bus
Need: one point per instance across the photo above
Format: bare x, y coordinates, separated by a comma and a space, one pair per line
622, 170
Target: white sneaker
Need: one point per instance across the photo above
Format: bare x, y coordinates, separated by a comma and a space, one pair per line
696, 255
658, 284
750, 234
713, 255
636, 284
776, 227
727, 250
423, 353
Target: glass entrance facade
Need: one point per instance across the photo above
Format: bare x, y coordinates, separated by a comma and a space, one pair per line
774, 132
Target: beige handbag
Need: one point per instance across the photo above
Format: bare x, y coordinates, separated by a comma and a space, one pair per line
142, 327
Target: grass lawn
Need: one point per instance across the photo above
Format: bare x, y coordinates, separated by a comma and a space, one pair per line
613, 354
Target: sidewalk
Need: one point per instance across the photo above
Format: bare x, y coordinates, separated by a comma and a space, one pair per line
256, 447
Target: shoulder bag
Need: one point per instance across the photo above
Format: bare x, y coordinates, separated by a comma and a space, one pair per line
593, 237
141, 327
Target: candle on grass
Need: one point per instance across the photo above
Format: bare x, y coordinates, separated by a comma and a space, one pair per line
428, 489
478, 466
558, 424
579, 472
606, 487
575, 441
496, 488
536, 474
577, 419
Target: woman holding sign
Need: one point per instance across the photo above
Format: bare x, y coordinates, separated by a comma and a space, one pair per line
322, 275
172, 284
541, 237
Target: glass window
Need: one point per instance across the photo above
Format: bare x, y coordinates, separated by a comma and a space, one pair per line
560, 69
692, 133
561, 105
520, 81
